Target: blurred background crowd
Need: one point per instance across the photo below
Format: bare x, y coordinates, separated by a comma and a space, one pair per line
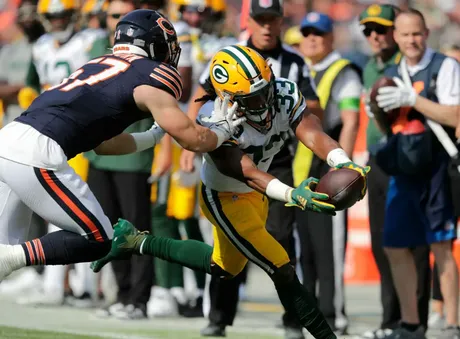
144, 187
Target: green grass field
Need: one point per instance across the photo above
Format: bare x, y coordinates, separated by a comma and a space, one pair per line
16, 333
13, 333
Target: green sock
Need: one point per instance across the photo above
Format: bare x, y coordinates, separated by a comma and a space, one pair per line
189, 253
192, 227
167, 274
296, 299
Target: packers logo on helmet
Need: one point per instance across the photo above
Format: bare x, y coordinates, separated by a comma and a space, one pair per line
219, 74
245, 75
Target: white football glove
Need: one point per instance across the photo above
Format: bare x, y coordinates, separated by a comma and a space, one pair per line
367, 106
391, 97
223, 121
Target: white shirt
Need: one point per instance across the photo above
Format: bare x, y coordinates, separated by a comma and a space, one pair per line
261, 148
346, 85
448, 81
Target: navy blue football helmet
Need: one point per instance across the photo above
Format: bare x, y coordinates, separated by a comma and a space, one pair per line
150, 34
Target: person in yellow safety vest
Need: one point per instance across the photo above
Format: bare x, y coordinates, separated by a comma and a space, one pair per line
339, 86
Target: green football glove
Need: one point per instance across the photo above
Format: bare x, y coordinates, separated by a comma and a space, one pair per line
304, 197
361, 170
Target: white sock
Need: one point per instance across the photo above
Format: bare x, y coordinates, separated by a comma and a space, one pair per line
179, 294
16, 257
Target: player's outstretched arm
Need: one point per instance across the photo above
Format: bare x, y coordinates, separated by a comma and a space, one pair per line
310, 132
187, 133
233, 162
126, 143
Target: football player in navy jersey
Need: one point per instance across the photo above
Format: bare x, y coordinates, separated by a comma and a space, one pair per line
90, 110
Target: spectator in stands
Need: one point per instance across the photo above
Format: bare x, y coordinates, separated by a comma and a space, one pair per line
377, 25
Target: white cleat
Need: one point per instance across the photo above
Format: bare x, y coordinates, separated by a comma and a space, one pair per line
39, 297
8, 261
25, 280
162, 304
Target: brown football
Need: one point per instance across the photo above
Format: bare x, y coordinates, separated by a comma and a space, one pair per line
343, 186
390, 116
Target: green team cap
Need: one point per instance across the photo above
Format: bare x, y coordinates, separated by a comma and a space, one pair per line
381, 14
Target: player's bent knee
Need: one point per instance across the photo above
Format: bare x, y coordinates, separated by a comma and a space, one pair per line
218, 271
285, 273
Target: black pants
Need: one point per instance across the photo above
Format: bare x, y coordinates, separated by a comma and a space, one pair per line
224, 292
323, 241
377, 190
127, 195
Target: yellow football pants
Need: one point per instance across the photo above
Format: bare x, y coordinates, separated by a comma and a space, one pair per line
81, 165
239, 231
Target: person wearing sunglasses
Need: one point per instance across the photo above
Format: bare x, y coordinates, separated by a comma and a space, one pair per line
338, 83
377, 23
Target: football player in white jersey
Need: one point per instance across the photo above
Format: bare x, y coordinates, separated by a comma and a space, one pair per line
56, 55
197, 30
235, 183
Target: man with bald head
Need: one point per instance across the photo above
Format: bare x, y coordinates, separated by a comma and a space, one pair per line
419, 208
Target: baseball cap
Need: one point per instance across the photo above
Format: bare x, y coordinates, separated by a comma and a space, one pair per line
261, 7
319, 21
380, 14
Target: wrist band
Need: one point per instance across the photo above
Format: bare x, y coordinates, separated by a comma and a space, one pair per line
279, 191
336, 157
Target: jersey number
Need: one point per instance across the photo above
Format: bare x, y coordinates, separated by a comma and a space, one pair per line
116, 67
287, 100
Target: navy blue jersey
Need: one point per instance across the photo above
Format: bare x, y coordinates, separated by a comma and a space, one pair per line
96, 102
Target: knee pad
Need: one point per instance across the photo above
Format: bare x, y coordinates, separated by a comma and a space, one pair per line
217, 271
283, 274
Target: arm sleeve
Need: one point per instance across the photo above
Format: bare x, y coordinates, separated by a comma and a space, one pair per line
448, 83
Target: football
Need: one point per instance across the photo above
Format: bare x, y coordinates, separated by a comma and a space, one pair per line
390, 116
343, 186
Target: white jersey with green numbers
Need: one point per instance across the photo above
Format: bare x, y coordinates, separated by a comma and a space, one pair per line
261, 148
54, 62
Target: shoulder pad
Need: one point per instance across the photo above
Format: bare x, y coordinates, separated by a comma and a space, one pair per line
166, 77
290, 100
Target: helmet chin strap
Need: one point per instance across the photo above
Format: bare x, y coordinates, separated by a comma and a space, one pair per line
127, 48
